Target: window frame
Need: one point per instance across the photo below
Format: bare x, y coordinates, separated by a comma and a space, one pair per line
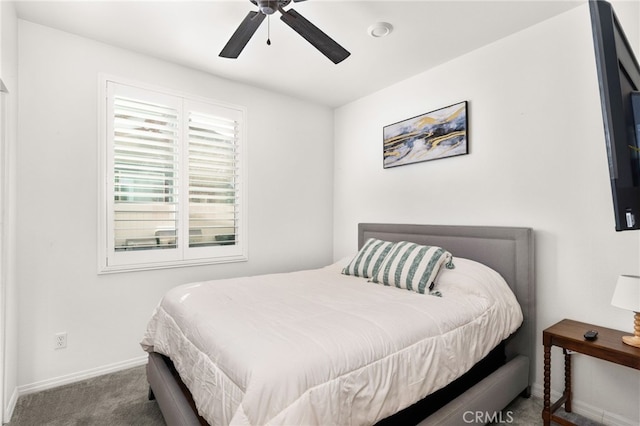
111, 260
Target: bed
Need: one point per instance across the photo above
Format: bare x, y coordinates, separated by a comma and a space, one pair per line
288, 375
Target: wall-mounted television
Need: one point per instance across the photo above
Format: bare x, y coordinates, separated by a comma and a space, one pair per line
619, 81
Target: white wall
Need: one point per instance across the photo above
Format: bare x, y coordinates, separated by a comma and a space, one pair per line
537, 159
8, 283
290, 200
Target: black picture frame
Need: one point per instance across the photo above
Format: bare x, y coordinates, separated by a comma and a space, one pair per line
441, 133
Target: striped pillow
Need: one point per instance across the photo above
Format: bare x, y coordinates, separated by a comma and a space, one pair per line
412, 266
368, 258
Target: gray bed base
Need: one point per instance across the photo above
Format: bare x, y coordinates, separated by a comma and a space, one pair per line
508, 250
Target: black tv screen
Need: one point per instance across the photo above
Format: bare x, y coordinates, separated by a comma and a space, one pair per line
619, 81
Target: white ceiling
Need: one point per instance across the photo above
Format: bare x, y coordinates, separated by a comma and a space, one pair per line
192, 33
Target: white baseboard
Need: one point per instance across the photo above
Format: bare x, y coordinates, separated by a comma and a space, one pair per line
81, 375
597, 414
11, 406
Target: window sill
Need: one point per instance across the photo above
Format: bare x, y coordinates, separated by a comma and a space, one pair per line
114, 269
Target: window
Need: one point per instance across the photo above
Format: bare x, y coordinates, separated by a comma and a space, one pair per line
172, 173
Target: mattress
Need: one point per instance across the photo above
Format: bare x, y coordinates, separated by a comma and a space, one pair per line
319, 347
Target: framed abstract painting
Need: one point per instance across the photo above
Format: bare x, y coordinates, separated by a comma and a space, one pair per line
437, 134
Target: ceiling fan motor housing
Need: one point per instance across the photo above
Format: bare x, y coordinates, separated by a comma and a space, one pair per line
269, 7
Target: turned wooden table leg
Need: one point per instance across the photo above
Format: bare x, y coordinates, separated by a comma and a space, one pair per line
546, 410
567, 380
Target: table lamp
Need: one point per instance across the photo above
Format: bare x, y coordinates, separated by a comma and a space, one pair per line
627, 296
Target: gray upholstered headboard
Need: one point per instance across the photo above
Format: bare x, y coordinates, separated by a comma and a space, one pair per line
508, 250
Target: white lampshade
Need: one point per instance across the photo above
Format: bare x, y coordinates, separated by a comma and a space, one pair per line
627, 293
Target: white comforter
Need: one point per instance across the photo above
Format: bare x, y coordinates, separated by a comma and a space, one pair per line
318, 347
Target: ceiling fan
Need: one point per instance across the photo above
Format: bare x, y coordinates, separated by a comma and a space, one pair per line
325, 44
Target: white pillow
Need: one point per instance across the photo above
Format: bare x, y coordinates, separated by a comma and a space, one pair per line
471, 278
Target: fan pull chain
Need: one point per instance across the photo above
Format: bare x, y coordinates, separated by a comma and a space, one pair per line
268, 30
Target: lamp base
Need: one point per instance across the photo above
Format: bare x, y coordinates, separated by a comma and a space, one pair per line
631, 340
635, 339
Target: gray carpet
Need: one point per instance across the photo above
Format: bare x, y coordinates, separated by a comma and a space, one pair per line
528, 411
116, 399
120, 399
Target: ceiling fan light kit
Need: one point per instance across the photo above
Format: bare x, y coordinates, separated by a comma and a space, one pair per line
318, 39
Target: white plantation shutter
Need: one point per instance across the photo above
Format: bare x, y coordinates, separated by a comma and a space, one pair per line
145, 184
213, 179
173, 181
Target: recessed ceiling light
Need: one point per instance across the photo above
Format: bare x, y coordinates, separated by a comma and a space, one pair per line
380, 29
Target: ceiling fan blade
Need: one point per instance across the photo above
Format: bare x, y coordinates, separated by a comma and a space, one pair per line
315, 36
243, 34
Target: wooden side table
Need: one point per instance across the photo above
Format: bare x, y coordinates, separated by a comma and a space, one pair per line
569, 335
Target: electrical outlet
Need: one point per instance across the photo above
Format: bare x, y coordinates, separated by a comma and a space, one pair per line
60, 341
